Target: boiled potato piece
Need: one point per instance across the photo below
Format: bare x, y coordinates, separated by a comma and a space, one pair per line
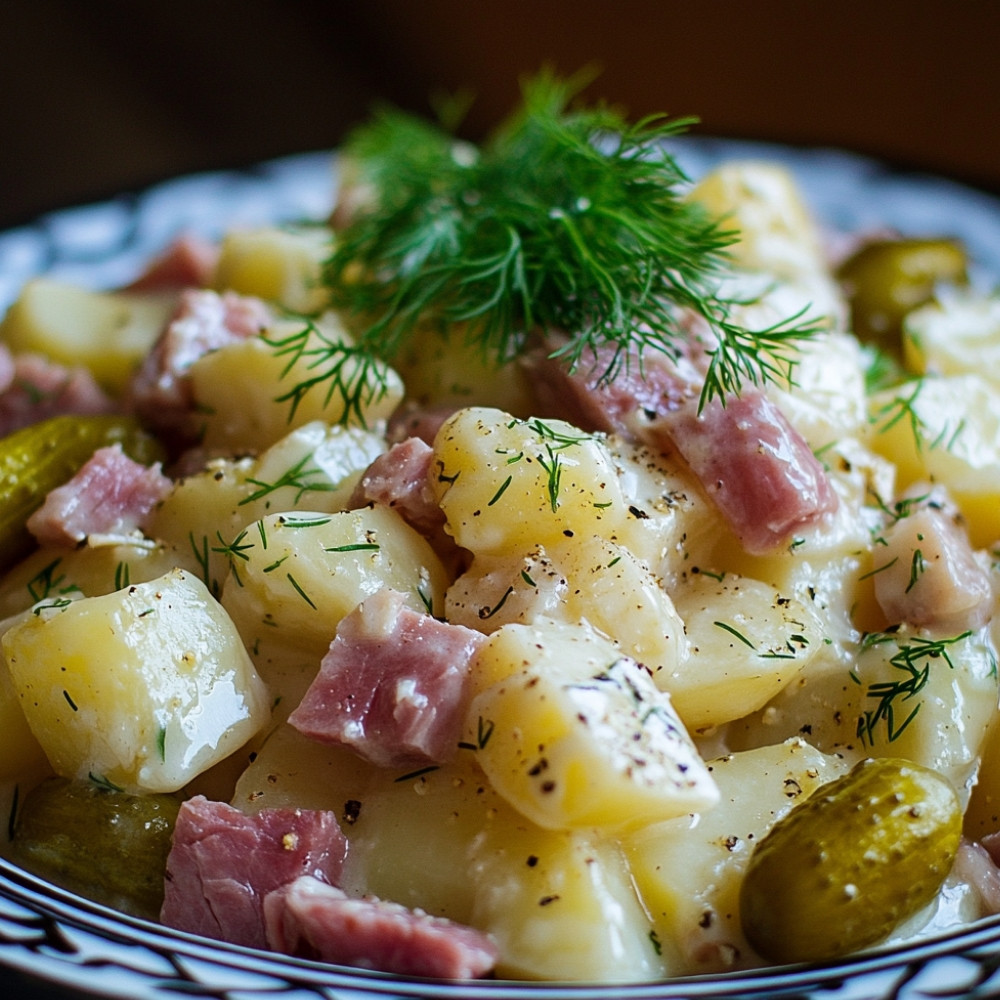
761, 202
203, 516
506, 485
51, 574
291, 771
928, 700
282, 265
413, 834
946, 430
108, 332
501, 590
441, 368
297, 371
959, 335
671, 523
689, 873
20, 752
299, 573
142, 688
580, 579
574, 734
776, 233
745, 642
561, 905
826, 401
617, 593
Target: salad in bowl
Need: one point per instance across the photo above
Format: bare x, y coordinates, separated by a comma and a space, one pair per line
544, 566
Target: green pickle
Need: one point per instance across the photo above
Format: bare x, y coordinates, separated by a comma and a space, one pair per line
38, 458
844, 868
886, 279
97, 841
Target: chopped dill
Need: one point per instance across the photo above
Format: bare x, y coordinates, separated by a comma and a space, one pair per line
913, 659
299, 477
734, 632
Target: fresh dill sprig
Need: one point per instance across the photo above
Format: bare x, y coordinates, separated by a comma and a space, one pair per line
567, 220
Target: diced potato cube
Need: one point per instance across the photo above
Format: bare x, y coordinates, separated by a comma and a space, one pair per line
959, 335
296, 575
108, 332
412, 836
441, 368
671, 521
501, 590
20, 752
292, 771
745, 642
927, 699
574, 734
946, 430
315, 465
88, 571
143, 688
561, 906
776, 233
296, 372
689, 873
506, 485
762, 202
280, 265
826, 400
585, 578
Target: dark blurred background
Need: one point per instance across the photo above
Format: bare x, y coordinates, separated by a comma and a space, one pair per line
100, 96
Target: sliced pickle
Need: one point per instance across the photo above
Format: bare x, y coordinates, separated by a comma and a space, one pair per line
843, 869
97, 841
886, 279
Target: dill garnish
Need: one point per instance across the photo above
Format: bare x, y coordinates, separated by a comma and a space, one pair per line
299, 477
732, 631
567, 219
914, 660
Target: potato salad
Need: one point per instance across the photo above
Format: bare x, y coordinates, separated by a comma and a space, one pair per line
572, 660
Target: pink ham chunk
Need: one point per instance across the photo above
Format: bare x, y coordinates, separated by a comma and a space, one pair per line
224, 863
928, 573
976, 866
399, 479
33, 388
313, 920
392, 686
759, 471
756, 467
110, 495
204, 321
411, 421
188, 262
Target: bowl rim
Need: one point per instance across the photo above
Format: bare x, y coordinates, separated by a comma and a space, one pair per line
51, 912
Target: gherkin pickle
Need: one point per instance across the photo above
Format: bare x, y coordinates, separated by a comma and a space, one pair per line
42, 456
97, 841
886, 279
844, 868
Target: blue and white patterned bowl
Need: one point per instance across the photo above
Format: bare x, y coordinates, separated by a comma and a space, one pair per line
75, 948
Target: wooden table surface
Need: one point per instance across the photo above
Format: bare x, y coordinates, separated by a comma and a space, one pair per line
108, 95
